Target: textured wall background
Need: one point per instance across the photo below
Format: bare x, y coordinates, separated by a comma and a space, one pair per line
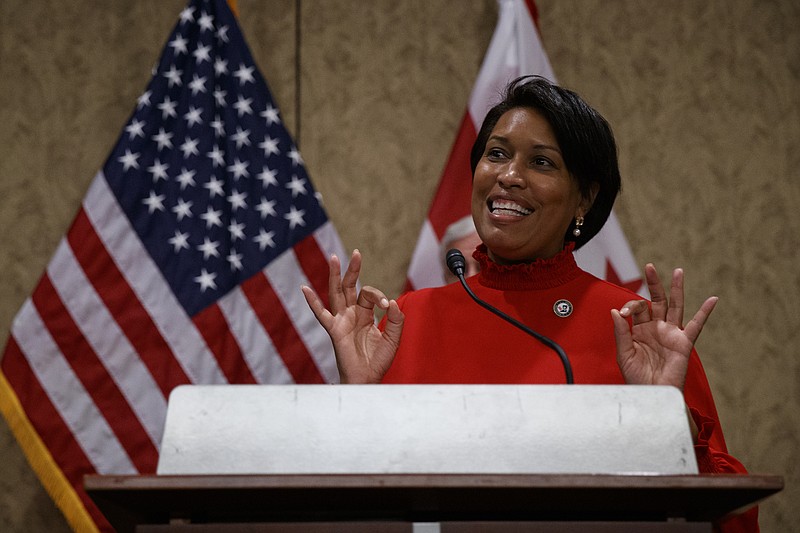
704, 97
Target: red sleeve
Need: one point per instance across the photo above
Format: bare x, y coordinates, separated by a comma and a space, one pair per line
710, 448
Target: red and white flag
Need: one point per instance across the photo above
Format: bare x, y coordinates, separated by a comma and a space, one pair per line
182, 266
515, 50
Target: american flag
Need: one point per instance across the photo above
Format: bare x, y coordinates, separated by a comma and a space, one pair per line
515, 50
183, 265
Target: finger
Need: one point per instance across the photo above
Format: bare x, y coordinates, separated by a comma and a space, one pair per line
675, 310
350, 280
370, 297
657, 294
335, 292
695, 325
637, 310
394, 323
324, 317
622, 334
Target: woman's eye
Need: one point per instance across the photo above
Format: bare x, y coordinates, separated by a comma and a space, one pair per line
542, 161
494, 153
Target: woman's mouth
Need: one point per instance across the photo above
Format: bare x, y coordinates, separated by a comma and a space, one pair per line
508, 208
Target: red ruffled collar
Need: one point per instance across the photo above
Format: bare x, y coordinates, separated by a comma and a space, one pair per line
540, 274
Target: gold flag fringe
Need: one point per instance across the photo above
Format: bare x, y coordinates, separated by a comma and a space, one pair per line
42, 462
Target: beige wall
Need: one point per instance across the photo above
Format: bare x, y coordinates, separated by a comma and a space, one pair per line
704, 97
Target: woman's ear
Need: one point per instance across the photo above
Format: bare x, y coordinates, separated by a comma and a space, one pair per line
587, 200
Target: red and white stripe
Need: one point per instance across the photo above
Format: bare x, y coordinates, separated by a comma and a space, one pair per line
103, 340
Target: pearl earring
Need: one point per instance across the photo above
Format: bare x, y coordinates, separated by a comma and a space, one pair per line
578, 224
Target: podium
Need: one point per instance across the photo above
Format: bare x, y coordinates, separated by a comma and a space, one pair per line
423, 459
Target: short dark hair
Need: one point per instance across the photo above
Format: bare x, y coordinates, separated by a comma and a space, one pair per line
584, 136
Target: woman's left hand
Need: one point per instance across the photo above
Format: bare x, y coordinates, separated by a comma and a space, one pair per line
656, 349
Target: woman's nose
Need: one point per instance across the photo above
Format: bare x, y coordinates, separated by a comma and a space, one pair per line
510, 176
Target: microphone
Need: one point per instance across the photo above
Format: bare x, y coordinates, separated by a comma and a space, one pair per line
457, 265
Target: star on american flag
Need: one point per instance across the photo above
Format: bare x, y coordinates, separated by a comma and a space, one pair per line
207, 171
182, 266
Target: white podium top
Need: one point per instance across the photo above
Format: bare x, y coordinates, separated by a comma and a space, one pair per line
438, 429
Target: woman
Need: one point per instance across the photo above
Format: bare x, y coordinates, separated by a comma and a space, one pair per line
545, 177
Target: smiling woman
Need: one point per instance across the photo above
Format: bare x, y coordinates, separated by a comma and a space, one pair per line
523, 196
545, 177
570, 135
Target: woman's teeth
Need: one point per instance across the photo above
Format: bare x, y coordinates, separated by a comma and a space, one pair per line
506, 207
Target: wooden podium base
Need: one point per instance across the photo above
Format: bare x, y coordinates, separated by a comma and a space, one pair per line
444, 527
462, 503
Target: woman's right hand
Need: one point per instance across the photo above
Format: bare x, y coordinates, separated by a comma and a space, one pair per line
363, 352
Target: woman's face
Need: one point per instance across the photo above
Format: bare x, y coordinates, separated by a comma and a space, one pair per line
523, 196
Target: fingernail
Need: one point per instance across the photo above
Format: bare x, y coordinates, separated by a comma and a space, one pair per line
625, 311
384, 302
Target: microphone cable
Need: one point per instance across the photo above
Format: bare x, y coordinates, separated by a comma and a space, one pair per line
457, 265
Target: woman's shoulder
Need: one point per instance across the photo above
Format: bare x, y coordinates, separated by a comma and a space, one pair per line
622, 291
431, 295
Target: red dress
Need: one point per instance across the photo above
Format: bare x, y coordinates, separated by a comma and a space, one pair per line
448, 338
